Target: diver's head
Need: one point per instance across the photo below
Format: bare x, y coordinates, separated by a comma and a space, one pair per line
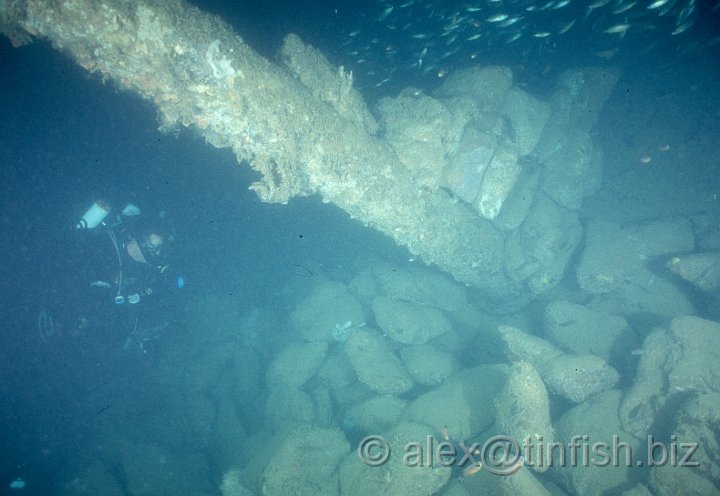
152, 244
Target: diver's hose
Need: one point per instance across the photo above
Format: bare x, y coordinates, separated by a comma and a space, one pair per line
115, 243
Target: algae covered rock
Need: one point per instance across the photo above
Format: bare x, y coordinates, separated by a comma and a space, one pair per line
613, 266
409, 323
325, 447
527, 116
523, 412
499, 179
684, 359
233, 484
428, 365
375, 365
578, 329
422, 131
329, 304
700, 269
580, 95
296, 363
524, 346
540, 250
461, 404
522, 482
615, 253
518, 203
336, 373
696, 425
575, 377
465, 169
487, 86
375, 415
578, 377
647, 293
420, 285
597, 419
402, 473
287, 405
571, 166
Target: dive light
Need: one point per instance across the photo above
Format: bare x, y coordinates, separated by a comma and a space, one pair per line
94, 215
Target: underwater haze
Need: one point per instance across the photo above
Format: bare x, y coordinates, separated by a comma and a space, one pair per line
201, 301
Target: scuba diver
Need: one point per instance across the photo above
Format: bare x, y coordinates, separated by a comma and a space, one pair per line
138, 273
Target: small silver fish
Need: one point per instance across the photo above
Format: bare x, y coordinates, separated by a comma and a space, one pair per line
683, 27
685, 13
564, 29
514, 37
497, 18
510, 21
657, 4
617, 29
421, 57
598, 3
385, 13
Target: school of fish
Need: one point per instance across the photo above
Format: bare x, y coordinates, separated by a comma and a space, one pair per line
394, 38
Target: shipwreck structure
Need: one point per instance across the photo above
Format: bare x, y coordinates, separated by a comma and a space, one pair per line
480, 179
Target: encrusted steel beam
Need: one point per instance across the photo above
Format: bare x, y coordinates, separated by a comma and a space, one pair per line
301, 125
